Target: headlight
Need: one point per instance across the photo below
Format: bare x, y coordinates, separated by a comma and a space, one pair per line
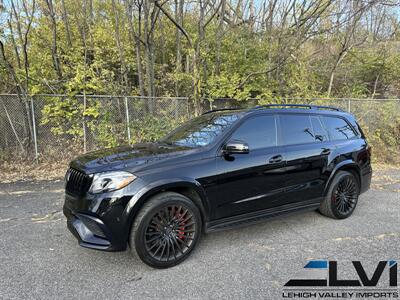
110, 181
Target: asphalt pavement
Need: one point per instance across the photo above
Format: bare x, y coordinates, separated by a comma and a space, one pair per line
40, 259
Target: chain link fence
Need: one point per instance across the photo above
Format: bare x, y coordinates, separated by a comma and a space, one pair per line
60, 126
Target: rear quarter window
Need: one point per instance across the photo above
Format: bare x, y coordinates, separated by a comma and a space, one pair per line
338, 128
320, 133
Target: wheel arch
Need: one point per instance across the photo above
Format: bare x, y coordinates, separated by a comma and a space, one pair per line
189, 188
347, 165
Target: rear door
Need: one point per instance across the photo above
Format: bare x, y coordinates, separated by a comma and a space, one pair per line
307, 152
253, 181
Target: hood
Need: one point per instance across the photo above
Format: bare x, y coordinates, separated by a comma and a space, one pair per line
130, 157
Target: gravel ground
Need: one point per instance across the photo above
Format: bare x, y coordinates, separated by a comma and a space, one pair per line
40, 259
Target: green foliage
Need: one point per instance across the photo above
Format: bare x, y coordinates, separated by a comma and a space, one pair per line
272, 61
63, 116
237, 61
152, 128
227, 86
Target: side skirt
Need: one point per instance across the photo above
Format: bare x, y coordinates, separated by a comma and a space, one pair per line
260, 216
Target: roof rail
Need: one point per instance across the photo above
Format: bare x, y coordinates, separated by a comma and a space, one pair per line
220, 109
308, 106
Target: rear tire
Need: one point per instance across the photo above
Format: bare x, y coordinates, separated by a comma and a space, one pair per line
342, 196
166, 230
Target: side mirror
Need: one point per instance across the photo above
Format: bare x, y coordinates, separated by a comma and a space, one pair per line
236, 147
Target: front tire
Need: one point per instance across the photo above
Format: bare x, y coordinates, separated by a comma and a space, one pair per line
342, 196
166, 230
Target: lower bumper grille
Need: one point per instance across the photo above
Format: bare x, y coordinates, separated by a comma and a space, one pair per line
93, 226
86, 236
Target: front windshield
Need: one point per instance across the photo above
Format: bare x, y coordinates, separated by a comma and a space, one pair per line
200, 131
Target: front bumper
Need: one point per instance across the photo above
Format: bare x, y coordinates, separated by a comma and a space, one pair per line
98, 221
102, 221
89, 231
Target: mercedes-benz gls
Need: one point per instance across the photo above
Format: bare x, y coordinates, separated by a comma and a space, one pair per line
222, 169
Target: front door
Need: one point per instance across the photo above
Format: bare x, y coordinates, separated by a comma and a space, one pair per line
253, 181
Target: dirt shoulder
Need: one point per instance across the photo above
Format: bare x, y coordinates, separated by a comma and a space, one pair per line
30, 171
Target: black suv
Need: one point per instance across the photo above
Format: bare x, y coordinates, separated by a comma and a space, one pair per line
222, 169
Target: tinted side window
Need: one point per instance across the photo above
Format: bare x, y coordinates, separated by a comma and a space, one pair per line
296, 129
320, 133
338, 128
258, 132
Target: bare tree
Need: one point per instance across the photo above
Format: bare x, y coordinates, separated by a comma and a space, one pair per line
195, 48
66, 23
135, 36
54, 49
23, 26
350, 38
120, 47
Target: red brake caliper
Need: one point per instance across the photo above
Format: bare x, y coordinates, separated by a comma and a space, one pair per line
181, 233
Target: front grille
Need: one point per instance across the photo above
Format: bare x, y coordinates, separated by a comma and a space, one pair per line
78, 183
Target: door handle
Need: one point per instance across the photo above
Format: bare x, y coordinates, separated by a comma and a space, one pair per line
325, 151
275, 159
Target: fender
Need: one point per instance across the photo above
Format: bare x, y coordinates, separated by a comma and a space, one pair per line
140, 197
344, 163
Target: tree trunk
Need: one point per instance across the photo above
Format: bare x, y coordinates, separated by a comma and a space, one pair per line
178, 63
135, 37
66, 23
54, 51
148, 44
332, 76
123, 67
219, 38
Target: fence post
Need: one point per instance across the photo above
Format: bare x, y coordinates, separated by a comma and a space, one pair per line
348, 105
128, 129
34, 129
84, 123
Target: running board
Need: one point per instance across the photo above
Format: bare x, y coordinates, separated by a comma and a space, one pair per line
260, 216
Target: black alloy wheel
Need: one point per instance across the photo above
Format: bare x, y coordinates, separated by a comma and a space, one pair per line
170, 233
342, 196
166, 230
345, 195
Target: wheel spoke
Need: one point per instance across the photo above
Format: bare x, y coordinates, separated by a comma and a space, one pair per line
173, 249
177, 245
185, 242
163, 249
183, 215
154, 227
172, 215
159, 247
156, 221
167, 215
188, 224
153, 239
168, 247
162, 217
155, 244
187, 219
186, 231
